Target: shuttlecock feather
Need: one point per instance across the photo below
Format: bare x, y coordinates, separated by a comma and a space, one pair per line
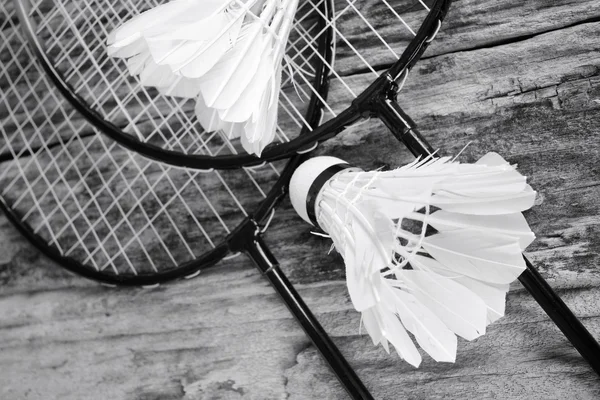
430, 248
226, 54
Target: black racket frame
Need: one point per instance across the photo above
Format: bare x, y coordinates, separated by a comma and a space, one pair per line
361, 107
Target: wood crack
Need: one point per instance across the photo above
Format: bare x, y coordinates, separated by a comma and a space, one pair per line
518, 39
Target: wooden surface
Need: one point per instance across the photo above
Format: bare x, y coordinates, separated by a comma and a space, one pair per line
519, 79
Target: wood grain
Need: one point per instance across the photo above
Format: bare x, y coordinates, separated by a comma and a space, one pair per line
519, 78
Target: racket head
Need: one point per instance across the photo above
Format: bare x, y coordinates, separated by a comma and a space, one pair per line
103, 211
326, 37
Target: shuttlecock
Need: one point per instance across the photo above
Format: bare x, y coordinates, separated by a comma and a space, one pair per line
429, 248
226, 54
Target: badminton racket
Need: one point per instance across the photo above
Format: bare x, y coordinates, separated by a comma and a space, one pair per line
383, 40
114, 216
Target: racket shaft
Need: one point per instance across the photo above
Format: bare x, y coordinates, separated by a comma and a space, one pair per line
562, 316
266, 263
403, 127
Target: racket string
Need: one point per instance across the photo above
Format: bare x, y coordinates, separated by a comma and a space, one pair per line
124, 214
148, 115
132, 89
51, 187
36, 199
150, 110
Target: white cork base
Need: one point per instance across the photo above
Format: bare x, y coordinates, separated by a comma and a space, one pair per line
303, 178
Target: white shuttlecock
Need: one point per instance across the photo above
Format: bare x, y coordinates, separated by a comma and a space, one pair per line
226, 53
430, 248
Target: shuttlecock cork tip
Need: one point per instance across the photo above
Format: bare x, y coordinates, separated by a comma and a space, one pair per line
308, 180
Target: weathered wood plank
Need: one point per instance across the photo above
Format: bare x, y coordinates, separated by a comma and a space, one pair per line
196, 335
226, 335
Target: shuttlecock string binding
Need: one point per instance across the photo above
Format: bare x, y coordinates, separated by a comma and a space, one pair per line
227, 55
430, 248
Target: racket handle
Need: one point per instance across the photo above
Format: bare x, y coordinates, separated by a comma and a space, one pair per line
266, 263
562, 316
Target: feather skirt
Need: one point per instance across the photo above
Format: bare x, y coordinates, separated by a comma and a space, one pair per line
225, 54
430, 248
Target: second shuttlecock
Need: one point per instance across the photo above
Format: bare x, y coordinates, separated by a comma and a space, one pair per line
429, 248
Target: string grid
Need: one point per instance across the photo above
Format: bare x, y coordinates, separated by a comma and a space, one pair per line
368, 38
122, 214
93, 201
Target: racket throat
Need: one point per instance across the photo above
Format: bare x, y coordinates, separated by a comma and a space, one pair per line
380, 101
403, 127
247, 239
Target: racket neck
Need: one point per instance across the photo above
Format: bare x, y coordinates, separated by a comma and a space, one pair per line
403, 127
380, 101
249, 241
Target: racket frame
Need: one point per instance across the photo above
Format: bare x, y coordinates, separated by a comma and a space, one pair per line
362, 105
245, 238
